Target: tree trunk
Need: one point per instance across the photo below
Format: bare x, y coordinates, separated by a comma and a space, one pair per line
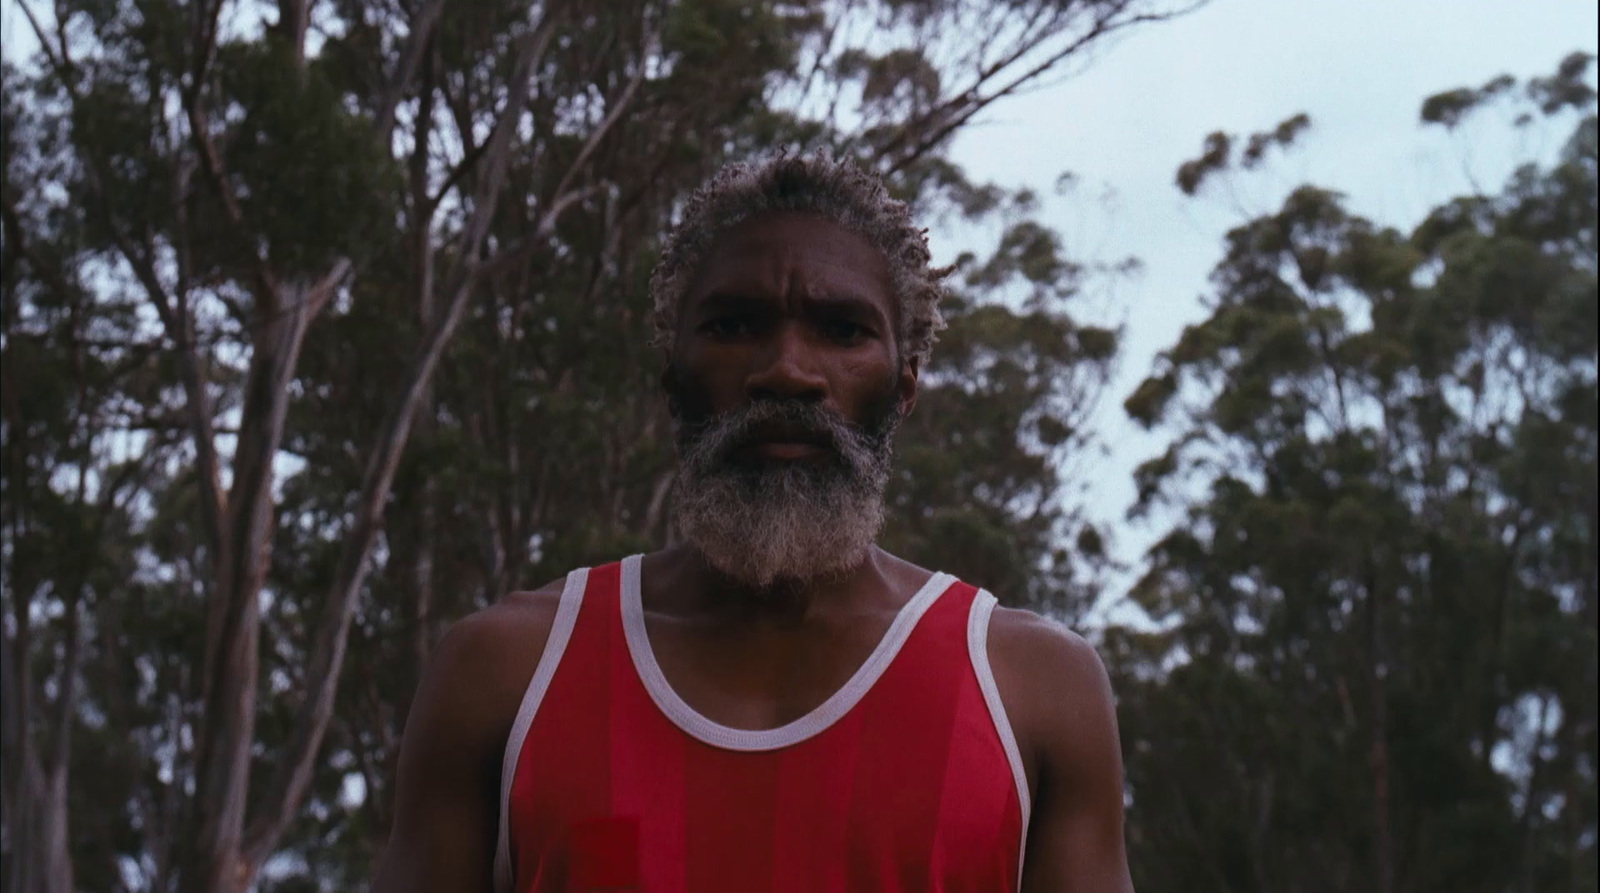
1382, 835
53, 873
1533, 801
35, 818
21, 762
425, 547
213, 862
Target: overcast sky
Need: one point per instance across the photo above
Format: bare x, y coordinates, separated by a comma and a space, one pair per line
1359, 68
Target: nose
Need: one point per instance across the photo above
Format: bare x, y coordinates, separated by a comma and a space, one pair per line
785, 369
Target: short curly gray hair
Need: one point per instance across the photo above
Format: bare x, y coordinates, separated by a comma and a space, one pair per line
839, 191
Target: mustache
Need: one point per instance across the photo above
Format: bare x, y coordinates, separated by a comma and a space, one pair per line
716, 439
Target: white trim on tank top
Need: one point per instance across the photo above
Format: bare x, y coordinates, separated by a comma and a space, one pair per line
560, 632
826, 714
978, 647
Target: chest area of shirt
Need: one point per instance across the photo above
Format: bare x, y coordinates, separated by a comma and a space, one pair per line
764, 679
878, 800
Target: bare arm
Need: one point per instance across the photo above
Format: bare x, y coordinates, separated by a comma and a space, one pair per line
447, 788
1075, 842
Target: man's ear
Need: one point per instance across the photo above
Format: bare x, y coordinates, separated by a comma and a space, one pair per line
910, 372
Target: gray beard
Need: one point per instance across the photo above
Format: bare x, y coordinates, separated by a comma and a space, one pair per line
769, 523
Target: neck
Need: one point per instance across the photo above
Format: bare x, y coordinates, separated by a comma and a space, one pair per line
700, 588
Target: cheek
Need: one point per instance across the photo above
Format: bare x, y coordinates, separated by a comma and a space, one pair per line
692, 400
875, 387
878, 366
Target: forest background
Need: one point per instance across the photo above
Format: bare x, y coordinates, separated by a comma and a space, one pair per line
325, 323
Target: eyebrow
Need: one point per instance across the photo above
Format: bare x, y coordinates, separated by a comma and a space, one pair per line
720, 301
850, 303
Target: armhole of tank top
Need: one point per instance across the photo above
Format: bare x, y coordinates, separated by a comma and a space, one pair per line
978, 648
560, 631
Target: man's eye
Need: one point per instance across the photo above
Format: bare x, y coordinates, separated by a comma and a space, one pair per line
726, 327
843, 331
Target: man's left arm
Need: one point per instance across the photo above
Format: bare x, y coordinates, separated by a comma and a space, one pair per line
1075, 842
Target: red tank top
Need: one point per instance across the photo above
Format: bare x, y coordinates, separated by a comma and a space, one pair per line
906, 779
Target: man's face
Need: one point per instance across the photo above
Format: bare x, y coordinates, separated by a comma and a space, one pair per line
787, 385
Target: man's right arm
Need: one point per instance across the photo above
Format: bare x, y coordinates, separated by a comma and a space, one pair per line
447, 786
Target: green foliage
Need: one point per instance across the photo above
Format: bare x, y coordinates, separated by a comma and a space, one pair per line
1216, 153
1003, 403
1565, 88
318, 183
1376, 664
1449, 107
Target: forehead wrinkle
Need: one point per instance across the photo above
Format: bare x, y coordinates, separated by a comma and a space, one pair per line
816, 288
766, 267
755, 266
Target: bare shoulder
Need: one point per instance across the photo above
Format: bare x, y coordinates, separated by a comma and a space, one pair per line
1057, 695
508, 637
448, 779
485, 660
1054, 687
517, 617
1045, 652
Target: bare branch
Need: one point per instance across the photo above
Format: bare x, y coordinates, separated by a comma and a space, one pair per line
59, 64
294, 18
613, 114
211, 162
204, 41
497, 156
422, 25
825, 50
469, 160
930, 129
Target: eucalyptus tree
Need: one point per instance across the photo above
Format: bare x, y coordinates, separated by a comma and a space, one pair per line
1374, 661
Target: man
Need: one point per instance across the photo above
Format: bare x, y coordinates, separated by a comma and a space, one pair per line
777, 704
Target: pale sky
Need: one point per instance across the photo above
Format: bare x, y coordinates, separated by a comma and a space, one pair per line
1359, 68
